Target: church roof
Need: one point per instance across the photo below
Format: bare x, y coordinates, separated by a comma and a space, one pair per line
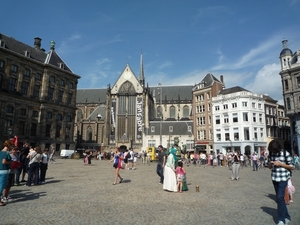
91, 96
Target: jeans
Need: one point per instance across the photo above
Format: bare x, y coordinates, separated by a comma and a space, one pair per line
33, 170
254, 164
160, 172
235, 171
281, 206
44, 167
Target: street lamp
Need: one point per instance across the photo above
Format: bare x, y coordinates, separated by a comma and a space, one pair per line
160, 123
99, 117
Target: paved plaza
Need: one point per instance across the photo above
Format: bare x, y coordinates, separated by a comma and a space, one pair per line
78, 194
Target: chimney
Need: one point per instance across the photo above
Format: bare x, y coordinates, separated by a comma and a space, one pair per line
221, 79
37, 43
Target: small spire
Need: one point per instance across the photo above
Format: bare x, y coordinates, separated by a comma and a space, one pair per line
142, 78
284, 43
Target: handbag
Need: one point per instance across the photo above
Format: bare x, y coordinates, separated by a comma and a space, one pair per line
286, 196
121, 164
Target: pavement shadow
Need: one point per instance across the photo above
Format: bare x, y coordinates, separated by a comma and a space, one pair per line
272, 196
21, 196
271, 211
52, 181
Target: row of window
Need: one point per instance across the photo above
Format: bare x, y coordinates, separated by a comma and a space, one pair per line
33, 129
35, 113
36, 90
171, 129
235, 105
235, 118
200, 98
236, 134
172, 112
38, 76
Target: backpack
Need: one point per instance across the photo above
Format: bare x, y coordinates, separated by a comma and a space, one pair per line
128, 156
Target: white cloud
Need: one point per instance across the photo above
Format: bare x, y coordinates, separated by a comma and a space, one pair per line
75, 37
164, 65
267, 81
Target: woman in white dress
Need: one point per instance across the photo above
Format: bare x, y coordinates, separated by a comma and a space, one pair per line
169, 172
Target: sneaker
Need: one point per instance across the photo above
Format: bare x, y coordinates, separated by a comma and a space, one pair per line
280, 222
9, 198
287, 221
23, 180
4, 199
291, 201
43, 182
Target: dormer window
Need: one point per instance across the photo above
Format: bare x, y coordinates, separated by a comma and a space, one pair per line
27, 54
61, 65
2, 44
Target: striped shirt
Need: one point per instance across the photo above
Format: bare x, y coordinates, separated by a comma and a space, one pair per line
279, 173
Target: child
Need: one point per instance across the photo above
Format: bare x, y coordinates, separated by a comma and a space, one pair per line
291, 189
180, 174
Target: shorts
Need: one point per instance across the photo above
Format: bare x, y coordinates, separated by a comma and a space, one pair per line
130, 160
180, 178
11, 180
115, 165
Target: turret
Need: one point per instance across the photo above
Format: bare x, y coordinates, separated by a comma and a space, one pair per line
285, 56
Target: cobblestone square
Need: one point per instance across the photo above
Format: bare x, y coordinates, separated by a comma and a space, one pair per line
78, 194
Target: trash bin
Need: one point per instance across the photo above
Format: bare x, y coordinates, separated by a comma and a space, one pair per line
76, 155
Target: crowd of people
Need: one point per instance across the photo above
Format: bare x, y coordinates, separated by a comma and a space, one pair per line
16, 163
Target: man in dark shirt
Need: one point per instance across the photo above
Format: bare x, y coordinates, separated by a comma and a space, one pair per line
161, 163
23, 159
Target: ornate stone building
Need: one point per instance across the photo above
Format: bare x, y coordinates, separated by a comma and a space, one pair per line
290, 78
37, 94
133, 114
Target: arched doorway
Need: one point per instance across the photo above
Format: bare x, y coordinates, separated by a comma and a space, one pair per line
247, 150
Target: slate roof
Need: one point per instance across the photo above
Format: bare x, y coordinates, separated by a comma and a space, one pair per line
174, 92
36, 54
91, 96
232, 90
182, 93
179, 128
209, 79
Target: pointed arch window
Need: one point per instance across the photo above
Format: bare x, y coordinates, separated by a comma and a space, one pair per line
186, 111
172, 112
127, 88
89, 134
159, 112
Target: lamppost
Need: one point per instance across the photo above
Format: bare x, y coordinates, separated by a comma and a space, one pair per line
99, 117
160, 123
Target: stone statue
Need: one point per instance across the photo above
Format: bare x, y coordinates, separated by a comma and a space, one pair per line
177, 147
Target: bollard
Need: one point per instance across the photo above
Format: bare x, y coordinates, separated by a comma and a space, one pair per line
197, 188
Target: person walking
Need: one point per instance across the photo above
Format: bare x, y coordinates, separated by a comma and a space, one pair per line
280, 165
52, 153
235, 172
117, 157
254, 161
161, 163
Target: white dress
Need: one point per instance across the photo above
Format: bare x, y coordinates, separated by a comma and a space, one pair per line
169, 175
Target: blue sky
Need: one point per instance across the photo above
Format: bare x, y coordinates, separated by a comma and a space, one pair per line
181, 41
